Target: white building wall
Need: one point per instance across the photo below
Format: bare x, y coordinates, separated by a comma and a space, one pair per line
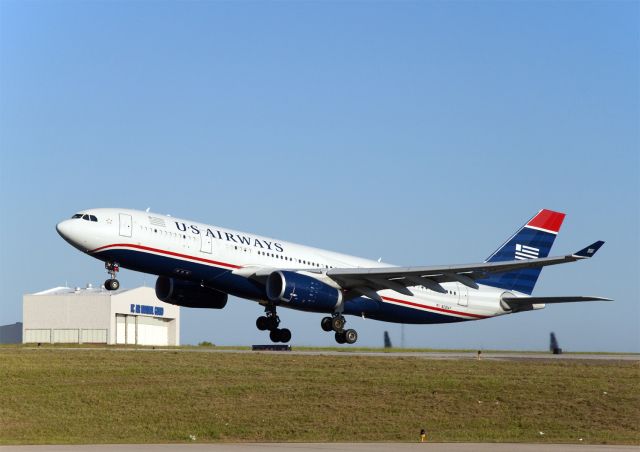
63, 312
64, 316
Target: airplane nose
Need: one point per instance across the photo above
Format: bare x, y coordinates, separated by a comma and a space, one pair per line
71, 232
63, 229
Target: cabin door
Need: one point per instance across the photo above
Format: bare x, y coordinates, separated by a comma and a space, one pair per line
463, 295
125, 225
207, 243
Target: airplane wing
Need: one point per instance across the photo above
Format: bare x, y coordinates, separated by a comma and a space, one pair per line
367, 281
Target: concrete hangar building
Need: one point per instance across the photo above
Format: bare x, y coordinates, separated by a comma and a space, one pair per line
98, 316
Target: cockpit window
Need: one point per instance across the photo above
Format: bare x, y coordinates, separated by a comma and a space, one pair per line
85, 216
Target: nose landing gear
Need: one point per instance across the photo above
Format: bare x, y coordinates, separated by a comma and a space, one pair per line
270, 321
112, 283
336, 323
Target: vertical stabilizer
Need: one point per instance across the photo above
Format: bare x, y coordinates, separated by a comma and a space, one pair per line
533, 240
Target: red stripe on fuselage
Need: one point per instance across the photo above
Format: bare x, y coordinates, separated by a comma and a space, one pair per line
224, 264
431, 308
170, 253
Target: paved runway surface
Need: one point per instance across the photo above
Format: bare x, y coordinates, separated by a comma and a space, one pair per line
328, 447
502, 356
469, 355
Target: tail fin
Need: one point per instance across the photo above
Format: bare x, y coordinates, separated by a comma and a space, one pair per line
531, 241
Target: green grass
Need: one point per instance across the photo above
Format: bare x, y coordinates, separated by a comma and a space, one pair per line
51, 395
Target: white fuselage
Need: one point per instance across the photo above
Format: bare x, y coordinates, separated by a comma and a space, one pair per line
220, 258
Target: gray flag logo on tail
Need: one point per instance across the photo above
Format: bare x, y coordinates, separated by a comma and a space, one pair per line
526, 252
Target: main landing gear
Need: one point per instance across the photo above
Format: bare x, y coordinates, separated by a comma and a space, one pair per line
270, 321
336, 323
112, 283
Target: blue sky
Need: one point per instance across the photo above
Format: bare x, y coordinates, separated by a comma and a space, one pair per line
420, 132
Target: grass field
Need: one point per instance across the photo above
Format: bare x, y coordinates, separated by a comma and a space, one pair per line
53, 395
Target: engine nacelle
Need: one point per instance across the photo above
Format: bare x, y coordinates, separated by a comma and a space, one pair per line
302, 292
188, 294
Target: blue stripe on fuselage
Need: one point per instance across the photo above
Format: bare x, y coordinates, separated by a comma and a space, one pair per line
224, 280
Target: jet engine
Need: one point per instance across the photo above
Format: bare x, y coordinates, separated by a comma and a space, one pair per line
302, 292
188, 294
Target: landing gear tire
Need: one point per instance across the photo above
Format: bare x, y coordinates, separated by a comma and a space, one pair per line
270, 322
326, 324
262, 323
280, 335
274, 335
350, 336
285, 335
112, 284
337, 323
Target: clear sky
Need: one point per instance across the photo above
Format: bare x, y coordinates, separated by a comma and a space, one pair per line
421, 132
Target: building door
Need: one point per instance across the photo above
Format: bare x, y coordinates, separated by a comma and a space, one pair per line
121, 331
37, 335
125, 225
153, 331
207, 243
132, 329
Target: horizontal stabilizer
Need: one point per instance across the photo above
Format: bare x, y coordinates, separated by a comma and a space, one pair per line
549, 300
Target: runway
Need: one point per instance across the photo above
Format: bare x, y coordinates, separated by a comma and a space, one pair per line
325, 447
502, 356
496, 356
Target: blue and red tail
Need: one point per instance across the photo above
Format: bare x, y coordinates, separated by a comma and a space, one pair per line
531, 241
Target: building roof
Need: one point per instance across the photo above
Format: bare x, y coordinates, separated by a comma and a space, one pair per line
88, 290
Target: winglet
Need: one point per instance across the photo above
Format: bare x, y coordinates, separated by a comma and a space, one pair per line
590, 250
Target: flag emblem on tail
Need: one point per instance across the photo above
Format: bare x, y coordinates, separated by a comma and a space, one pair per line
526, 252
531, 241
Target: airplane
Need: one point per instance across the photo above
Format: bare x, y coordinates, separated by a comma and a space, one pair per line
200, 265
